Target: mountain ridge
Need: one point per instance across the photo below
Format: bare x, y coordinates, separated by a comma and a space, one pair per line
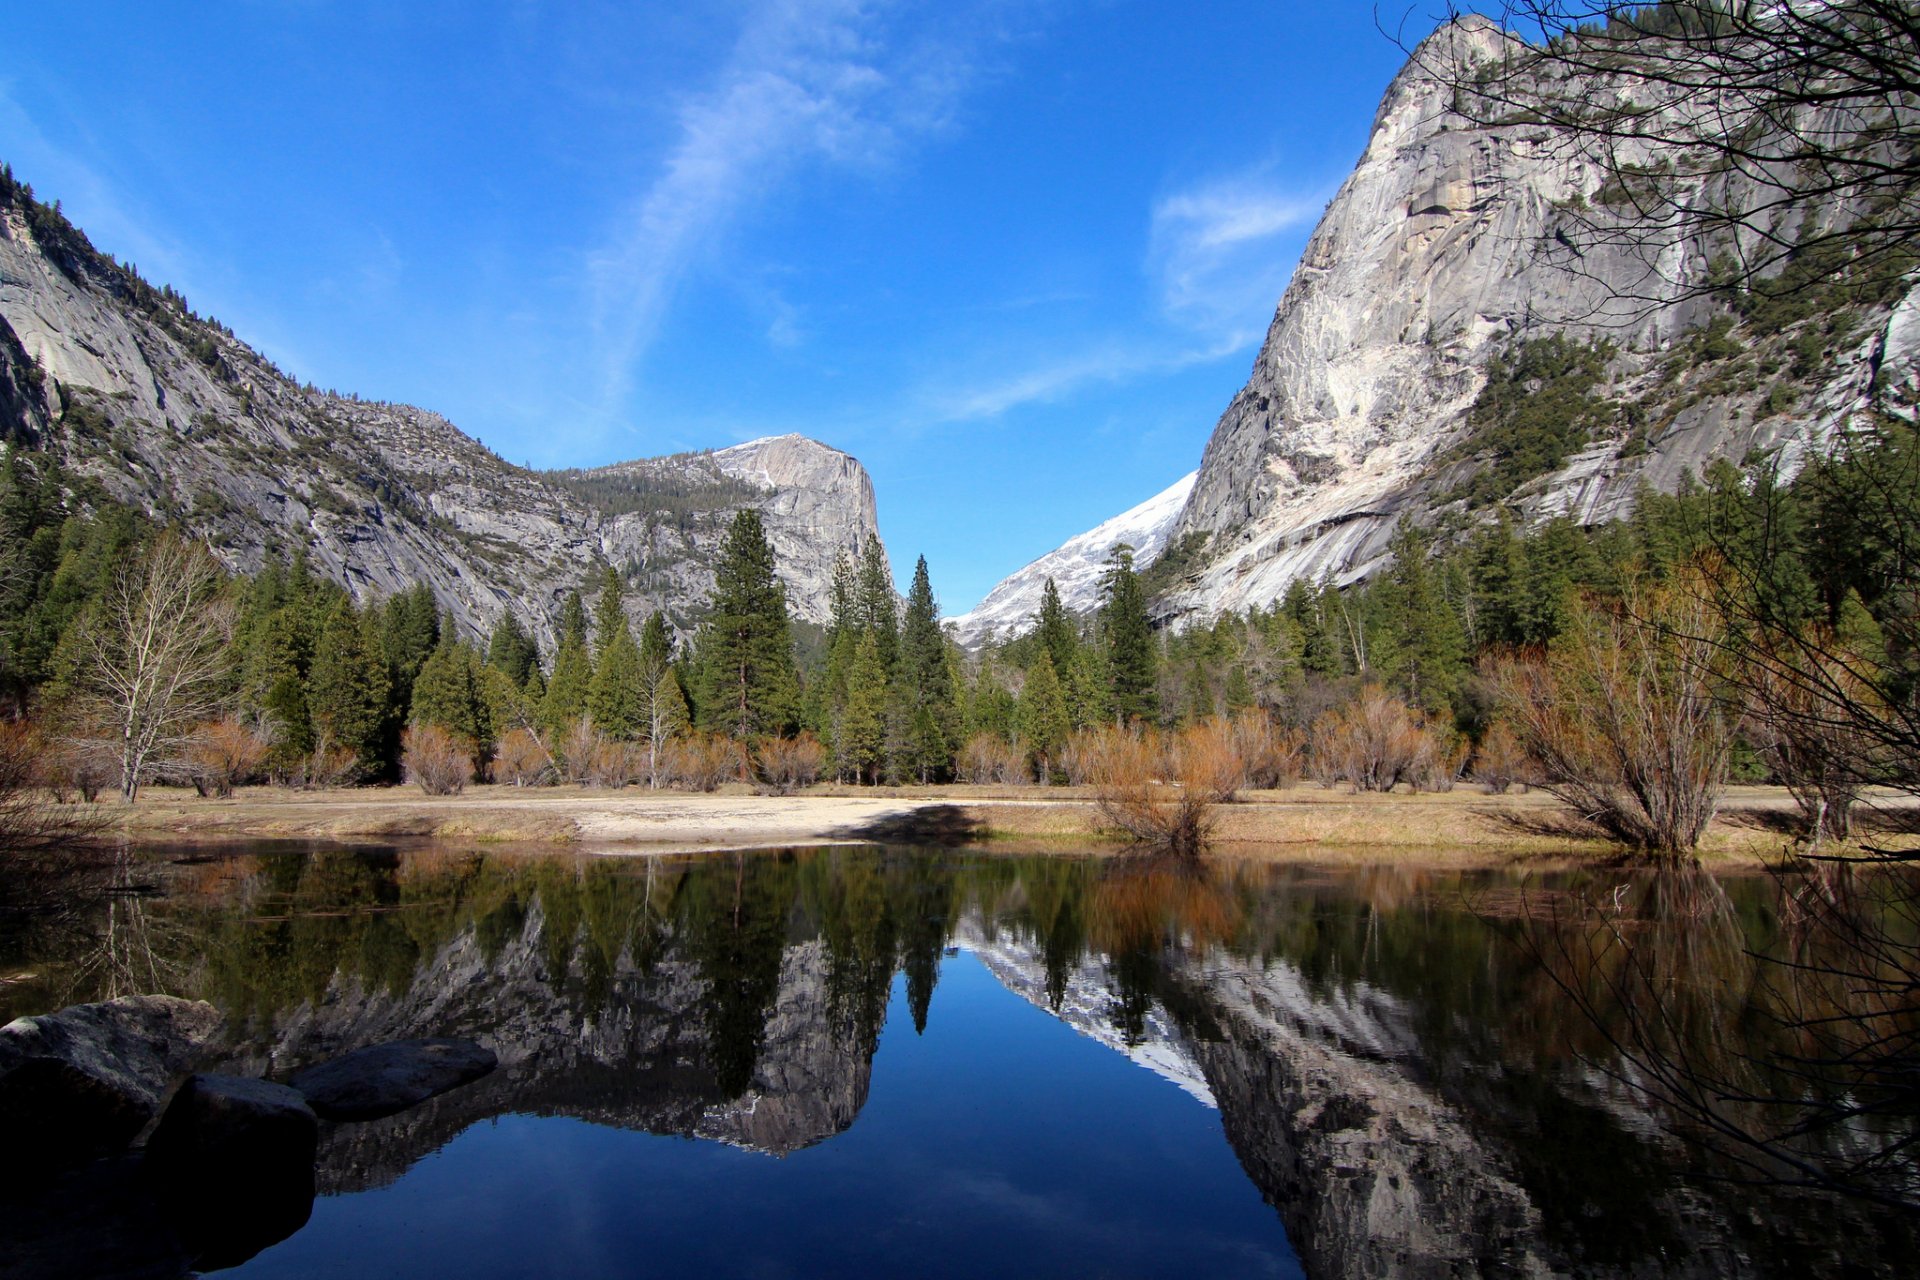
172, 414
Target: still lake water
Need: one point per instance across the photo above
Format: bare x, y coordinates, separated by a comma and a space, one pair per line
940, 1063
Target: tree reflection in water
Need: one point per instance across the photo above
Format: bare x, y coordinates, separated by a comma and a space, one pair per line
1784, 1045
1404, 1083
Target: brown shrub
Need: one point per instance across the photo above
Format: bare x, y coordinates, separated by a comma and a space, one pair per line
1808, 700
1272, 753
328, 766
578, 745
30, 816
440, 762
69, 766
1208, 758
787, 764
613, 763
222, 754
1501, 761
519, 760
703, 761
988, 758
1125, 771
1623, 720
1375, 742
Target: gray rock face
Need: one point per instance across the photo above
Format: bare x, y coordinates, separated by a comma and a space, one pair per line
640, 1059
180, 418
1449, 244
83, 1082
383, 1079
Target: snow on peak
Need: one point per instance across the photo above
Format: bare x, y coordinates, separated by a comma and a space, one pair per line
1075, 568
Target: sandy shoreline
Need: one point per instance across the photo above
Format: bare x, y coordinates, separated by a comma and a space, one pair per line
1756, 823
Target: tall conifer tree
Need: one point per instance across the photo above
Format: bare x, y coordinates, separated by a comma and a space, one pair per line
1131, 665
746, 647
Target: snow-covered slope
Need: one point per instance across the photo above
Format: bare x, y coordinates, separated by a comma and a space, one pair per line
1075, 568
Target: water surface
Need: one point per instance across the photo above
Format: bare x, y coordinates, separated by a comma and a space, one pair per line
930, 1062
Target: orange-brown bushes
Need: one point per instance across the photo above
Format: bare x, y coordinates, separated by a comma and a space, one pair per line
1272, 753
787, 764
1623, 718
440, 763
30, 817
988, 758
222, 754
1376, 741
519, 760
703, 761
1126, 769
1501, 761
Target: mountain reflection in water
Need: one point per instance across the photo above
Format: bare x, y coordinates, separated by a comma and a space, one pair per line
1394, 1056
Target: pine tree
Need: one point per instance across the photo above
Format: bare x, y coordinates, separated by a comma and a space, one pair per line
450, 693
1054, 629
926, 692
572, 680
1044, 723
614, 698
409, 633
861, 742
746, 647
609, 612
1088, 688
347, 693
512, 650
876, 605
1131, 665
1319, 654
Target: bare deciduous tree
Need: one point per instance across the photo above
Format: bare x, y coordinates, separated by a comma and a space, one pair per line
153, 660
1623, 717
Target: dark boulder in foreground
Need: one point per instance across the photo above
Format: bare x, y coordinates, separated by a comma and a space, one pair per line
83, 1082
232, 1160
383, 1079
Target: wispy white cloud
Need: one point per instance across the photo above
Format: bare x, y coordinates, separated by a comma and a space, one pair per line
1220, 250
1057, 379
831, 82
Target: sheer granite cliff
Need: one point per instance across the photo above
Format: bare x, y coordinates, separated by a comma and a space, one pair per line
1452, 245
174, 415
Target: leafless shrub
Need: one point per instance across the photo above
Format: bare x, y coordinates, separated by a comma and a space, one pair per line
787, 764
1501, 761
224, 753
1208, 758
1805, 708
1131, 794
579, 742
988, 758
30, 817
1622, 717
520, 760
1272, 752
1375, 742
1441, 768
327, 766
612, 763
441, 763
72, 765
704, 761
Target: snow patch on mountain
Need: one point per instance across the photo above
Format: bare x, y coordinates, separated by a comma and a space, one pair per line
1075, 568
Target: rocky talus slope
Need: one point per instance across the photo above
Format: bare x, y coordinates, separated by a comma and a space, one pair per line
1452, 247
173, 414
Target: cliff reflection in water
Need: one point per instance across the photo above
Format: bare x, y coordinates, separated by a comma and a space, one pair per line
1395, 1055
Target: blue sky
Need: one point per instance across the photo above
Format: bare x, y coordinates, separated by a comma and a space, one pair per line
1016, 257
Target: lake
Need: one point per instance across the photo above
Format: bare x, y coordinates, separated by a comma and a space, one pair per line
932, 1062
